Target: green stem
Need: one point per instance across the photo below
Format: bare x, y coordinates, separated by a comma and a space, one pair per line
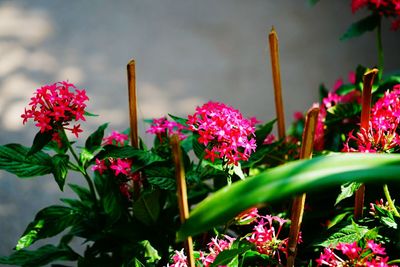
390, 200
380, 48
80, 167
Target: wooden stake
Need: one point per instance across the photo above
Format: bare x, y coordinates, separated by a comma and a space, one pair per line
133, 103
368, 81
276, 76
182, 194
299, 201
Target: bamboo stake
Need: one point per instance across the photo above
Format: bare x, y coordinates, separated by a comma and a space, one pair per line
133, 116
368, 80
276, 76
132, 103
182, 194
299, 201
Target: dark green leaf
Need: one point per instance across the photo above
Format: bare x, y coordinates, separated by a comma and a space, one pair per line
39, 257
40, 141
83, 193
345, 89
165, 183
290, 179
313, 2
198, 148
227, 256
94, 140
348, 234
60, 169
147, 208
386, 217
263, 131
48, 222
358, 28
347, 190
181, 121
112, 202
14, 159
340, 112
90, 114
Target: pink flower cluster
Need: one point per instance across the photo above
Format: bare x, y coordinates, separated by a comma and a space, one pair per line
381, 135
266, 238
206, 258
372, 255
224, 132
387, 8
331, 100
55, 106
120, 168
162, 126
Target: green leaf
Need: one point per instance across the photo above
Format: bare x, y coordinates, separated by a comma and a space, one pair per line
94, 140
264, 130
142, 158
313, 2
48, 222
345, 89
179, 120
150, 253
285, 181
198, 148
40, 141
165, 183
14, 159
360, 27
347, 234
386, 217
60, 169
147, 208
338, 113
83, 193
39, 257
347, 190
225, 257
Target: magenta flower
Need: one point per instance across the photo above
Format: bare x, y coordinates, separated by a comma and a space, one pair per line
387, 8
162, 126
351, 254
116, 138
224, 132
214, 248
55, 106
179, 258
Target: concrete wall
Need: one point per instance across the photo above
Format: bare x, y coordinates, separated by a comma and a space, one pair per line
187, 52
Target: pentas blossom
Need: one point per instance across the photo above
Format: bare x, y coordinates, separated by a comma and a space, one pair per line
387, 8
120, 168
380, 204
352, 255
179, 259
162, 126
214, 248
266, 238
331, 100
381, 135
224, 132
55, 106
116, 138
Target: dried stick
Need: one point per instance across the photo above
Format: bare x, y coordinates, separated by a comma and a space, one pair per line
276, 76
133, 116
368, 80
182, 194
298, 201
133, 103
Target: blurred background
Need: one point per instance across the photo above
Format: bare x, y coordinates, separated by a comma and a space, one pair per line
187, 52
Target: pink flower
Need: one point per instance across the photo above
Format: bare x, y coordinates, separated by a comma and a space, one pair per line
224, 131
121, 166
116, 138
386, 8
180, 259
100, 166
162, 126
214, 248
55, 106
266, 238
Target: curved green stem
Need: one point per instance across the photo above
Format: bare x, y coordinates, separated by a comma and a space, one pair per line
390, 200
380, 48
80, 167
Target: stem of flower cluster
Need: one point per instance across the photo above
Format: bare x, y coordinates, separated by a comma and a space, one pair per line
390, 200
380, 48
81, 169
